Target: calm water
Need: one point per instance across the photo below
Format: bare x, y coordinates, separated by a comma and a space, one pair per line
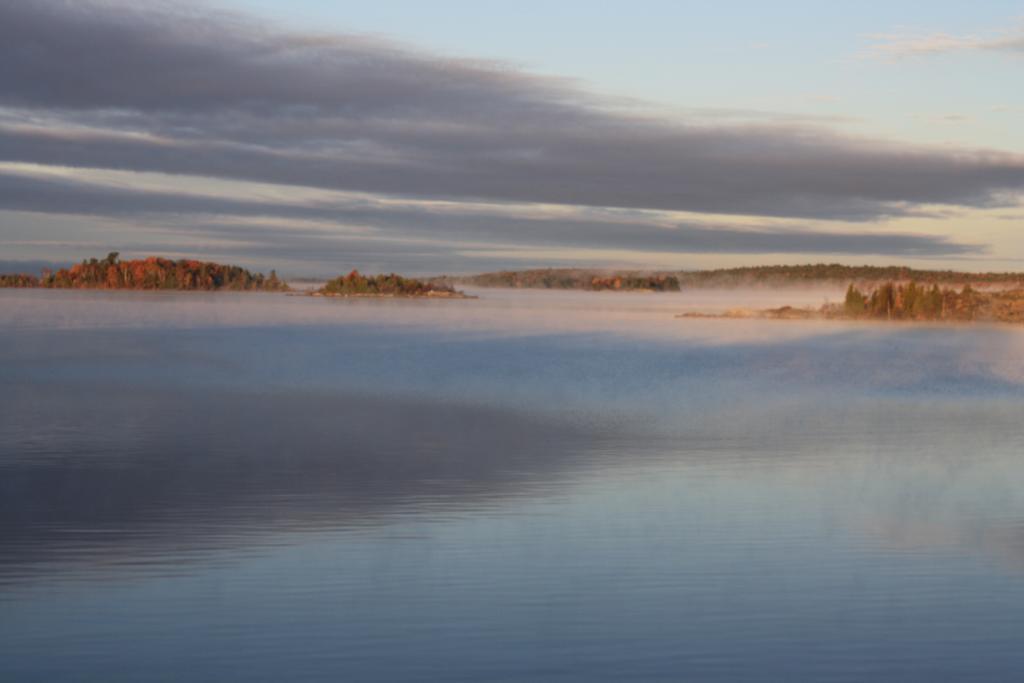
531, 486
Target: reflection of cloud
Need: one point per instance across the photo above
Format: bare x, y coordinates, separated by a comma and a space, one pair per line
174, 474
930, 476
928, 527
1003, 543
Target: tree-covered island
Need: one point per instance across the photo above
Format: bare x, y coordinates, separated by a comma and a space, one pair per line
911, 301
355, 284
153, 273
908, 301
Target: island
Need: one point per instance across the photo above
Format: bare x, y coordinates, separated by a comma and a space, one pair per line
152, 273
910, 301
355, 284
156, 273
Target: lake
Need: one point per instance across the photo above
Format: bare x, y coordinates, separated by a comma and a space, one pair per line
542, 486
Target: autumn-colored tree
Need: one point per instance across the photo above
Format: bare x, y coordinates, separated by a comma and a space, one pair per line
391, 284
19, 281
150, 273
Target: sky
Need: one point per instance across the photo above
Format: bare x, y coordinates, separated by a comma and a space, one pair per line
317, 136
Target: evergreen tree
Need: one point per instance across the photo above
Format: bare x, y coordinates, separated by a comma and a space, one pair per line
854, 304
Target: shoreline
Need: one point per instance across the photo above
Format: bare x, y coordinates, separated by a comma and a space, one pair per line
427, 295
789, 313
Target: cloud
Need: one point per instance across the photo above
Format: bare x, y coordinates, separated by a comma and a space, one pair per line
901, 45
308, 228
942, 118
186, 90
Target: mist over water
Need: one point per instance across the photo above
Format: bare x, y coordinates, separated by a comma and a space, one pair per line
532, 485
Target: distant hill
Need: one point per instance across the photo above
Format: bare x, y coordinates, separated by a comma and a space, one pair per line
751, 276
835, 273
569, 278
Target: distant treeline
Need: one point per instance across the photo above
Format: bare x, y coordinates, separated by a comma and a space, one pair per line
569, 278
149, 273
357, 284
912, 301
753, 276
838, 273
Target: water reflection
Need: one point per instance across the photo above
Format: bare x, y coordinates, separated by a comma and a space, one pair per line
507, 490
111, 473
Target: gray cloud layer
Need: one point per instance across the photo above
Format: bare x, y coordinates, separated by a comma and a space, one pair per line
32, 194
218, 95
